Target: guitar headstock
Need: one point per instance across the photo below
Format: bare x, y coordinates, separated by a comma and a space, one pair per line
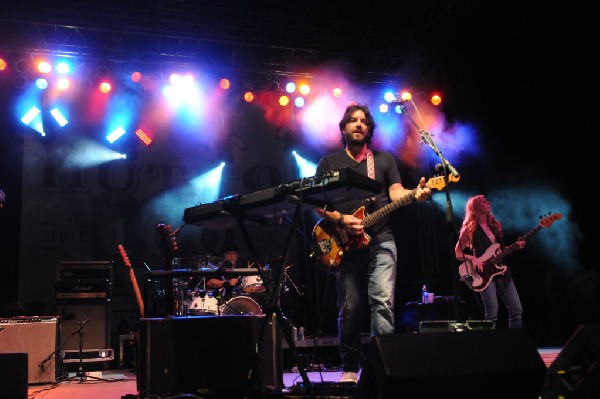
439, 182
124, 256
168, 239
546, 221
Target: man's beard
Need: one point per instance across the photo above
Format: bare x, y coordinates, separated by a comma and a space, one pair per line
355, 142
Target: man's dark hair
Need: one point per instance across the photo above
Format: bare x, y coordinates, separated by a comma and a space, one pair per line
350, 109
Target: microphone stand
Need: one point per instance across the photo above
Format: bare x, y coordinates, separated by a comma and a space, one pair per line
446, 167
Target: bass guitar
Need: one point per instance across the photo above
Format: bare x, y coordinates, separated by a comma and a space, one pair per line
331, 243
493, 256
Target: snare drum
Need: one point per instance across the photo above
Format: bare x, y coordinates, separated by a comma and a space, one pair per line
241, 305
252, 284
204, 304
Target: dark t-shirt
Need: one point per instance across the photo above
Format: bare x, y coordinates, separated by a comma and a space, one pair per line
386, 173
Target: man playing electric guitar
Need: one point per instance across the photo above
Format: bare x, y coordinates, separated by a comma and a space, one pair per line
373, 267
479, 231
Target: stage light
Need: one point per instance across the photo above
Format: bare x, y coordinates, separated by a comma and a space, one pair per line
383, 108
136, 77
3, 64
284, 101
299, 102
304, 89
337, 92
63, 83
115, 134
29, 115
290, 87
224, 84
436, 99
406, 96
143, 136
44, 67
63, 68
58, 116
41, 83
305, 167
105, 87
248, 96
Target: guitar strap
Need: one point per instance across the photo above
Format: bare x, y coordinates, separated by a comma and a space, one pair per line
370, 164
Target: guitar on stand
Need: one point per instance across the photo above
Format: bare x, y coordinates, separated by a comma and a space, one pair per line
134, 283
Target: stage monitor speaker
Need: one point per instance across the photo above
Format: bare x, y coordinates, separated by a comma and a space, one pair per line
13, 375
575, 373
211, 355
38, 337
470, 364
96, 332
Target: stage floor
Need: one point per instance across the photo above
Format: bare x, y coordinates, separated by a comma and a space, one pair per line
121, 384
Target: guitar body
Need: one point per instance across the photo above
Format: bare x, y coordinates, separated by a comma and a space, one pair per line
479, 281
332, 243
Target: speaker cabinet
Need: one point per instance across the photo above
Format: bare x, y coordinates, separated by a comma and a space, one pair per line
13, 375
95, 332
37, 337
575, 373
221, 355
469, 364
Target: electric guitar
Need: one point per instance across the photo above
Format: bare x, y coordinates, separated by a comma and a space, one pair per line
493, 256
331, 243
134, 283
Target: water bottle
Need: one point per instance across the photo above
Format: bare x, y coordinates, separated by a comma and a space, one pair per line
424, 296
294, 333
300, 333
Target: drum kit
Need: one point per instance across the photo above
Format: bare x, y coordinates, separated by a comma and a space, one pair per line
192, 298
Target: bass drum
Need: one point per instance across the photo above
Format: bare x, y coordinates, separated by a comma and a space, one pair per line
204, 304
241, 305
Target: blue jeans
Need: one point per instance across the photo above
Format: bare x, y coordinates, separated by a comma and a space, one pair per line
504, 287
374, 265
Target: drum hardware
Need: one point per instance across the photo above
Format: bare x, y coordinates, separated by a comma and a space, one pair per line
288, 279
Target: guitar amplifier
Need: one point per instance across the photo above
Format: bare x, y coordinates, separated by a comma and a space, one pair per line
85, 271
87, 290
39, 337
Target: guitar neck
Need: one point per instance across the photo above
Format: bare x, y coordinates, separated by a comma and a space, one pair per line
514, 247
374, 217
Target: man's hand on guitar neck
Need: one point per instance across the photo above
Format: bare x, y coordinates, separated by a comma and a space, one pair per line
423, 192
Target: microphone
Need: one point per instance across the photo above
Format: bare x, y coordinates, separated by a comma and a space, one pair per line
440, 167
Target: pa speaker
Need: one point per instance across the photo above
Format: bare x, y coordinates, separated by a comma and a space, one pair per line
94, 316
229, 356
13, 375
575, 373
468, 364
38, 337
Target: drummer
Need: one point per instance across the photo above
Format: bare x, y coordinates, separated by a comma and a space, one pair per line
228, 287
